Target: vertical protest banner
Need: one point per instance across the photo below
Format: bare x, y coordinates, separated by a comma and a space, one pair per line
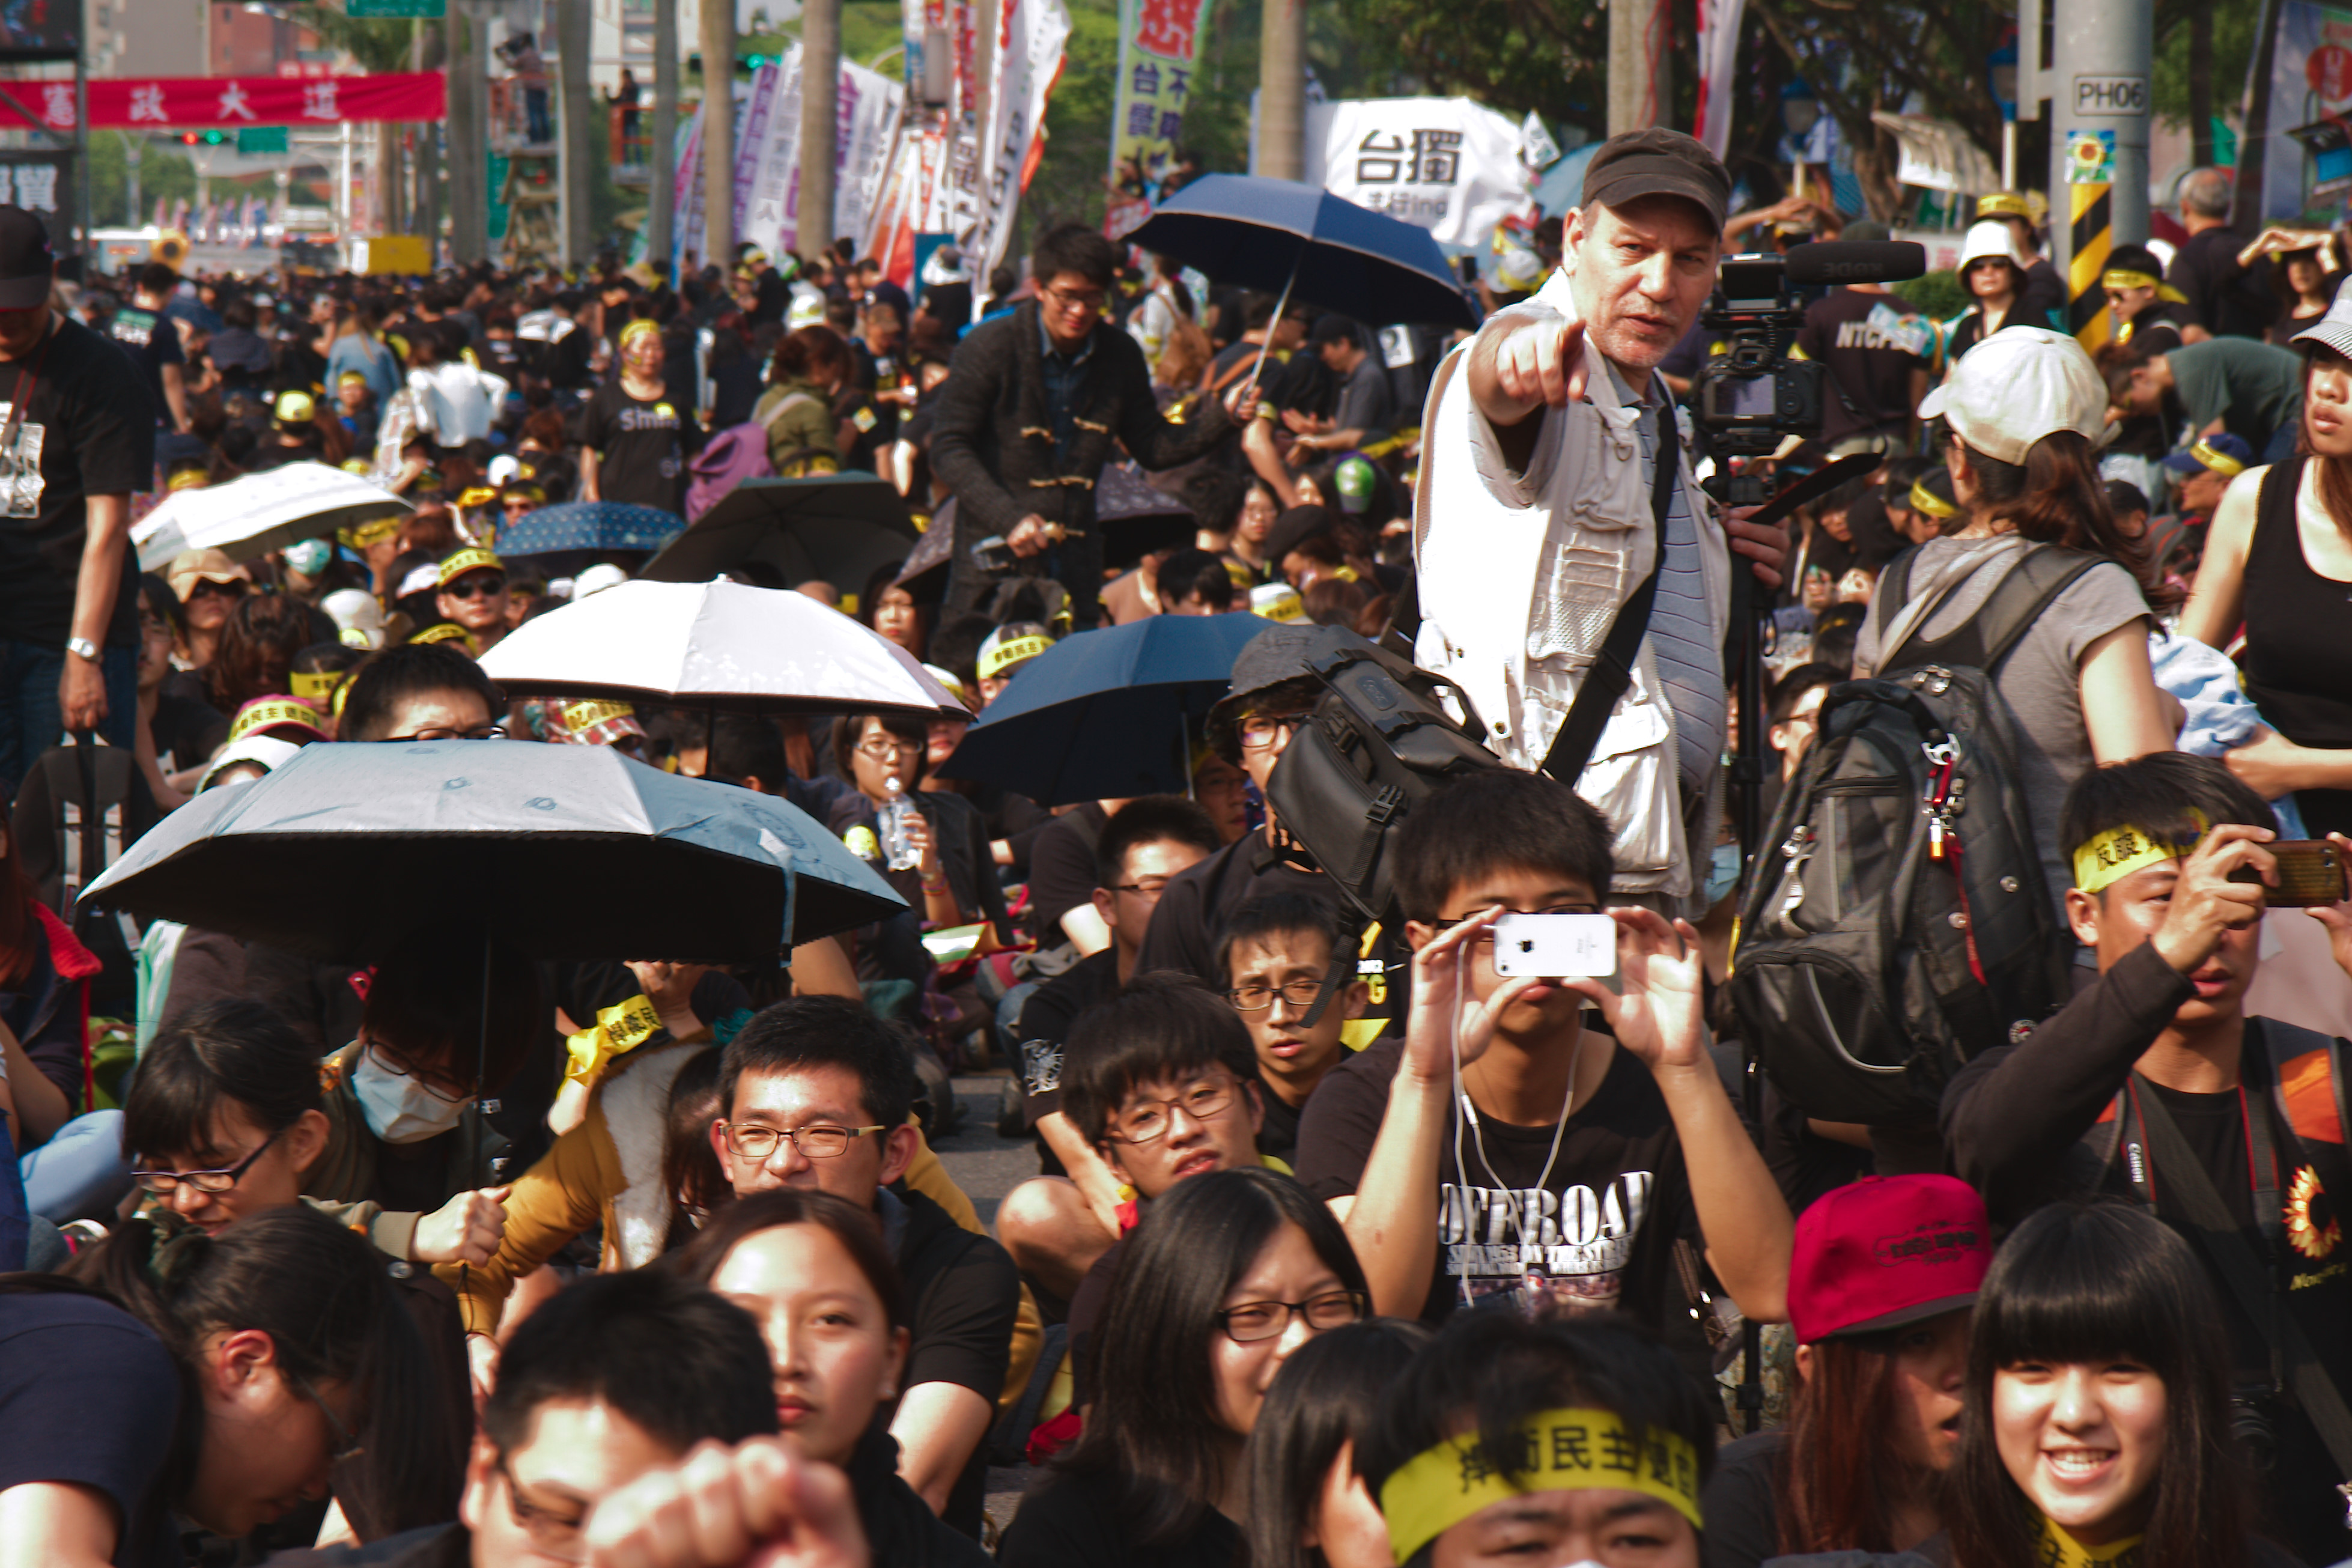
872, 108
768, 169
770, 116
1028, 63
687, 192
1158, 44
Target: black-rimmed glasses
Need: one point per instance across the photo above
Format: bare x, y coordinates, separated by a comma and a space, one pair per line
1253, 1322
814, 1142
164, 1182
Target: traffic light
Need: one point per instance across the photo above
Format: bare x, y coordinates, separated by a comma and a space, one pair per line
187, 138
214, 138
207, 137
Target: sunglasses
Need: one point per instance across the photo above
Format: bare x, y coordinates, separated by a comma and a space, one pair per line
471, 587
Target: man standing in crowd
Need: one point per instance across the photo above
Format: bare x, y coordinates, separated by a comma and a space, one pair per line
78, 438
1550, 439
1876, 383
150, 339
1026, 419
2222, 299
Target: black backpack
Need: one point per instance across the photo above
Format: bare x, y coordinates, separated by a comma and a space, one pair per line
1896, 922
80, 807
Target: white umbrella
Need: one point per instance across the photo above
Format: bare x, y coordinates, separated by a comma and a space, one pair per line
714, 646
261, 512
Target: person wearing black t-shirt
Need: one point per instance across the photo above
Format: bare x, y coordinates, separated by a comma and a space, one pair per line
152, 341
817, 1092
1877, 381
2223, 299
1275, 953
79, 436
1500, 1150
2164, 1033
1055, 1225
635, 440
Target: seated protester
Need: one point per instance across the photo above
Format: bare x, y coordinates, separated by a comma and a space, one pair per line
1227, 1280
1881, 1357
240, 1377
818, 1093
1308, 1506
1163, 1086
814, 1274
623, 1171
2154, 1082
2097, 1339
608, 1012
1500, 1148
45, 978
1273, 692
1134, 855
954, 879
422, 691
1275, 954
1182, 582
1554, 1441
404, 1124
610, 1378
224, 1119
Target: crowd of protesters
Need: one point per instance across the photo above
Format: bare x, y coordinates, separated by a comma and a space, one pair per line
1345, 1245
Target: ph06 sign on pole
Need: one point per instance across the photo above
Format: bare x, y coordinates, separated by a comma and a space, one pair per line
2111, 97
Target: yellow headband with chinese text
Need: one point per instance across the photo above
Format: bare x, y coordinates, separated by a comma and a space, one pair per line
2112, 856
315, 685
588, 714
268, 712
369, 534
2125, 277
2220, 462
1927, 501
445, 631
1011, 652
1558, 1450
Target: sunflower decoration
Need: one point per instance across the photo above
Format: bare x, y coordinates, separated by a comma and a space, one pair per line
2311, 1222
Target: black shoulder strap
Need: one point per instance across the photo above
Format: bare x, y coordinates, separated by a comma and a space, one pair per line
2029, 586
1611, 670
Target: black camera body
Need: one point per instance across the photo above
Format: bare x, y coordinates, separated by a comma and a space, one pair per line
1755, 391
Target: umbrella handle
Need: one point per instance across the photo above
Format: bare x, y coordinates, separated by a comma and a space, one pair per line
1275, 325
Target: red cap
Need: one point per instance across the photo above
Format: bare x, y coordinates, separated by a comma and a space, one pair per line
1881, 1254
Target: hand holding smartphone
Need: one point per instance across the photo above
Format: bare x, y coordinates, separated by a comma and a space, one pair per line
1556, 947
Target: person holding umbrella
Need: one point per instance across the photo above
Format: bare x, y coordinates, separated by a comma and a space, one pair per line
1026, 419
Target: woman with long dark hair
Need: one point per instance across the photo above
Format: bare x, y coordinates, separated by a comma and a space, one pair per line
813, 1270
2282, 538
1308, 1506
1228, 1276
2098, 1403
2016, 423
222, 1380
257, 645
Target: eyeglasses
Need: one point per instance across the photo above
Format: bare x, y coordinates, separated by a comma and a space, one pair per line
451, 732
347, 1445
893, 747
552, 1534
162, 1182
1253, 1322
1148, 1122
1300, 994
811, 1142
1087, 299
1484, 940
1260, 729
440, 1083
204, 585
471, 586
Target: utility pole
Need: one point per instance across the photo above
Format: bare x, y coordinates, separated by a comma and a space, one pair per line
820, 123
469, 199
718, 135
1282, 89
662, 183
2098, 85
133, 141
579, 130
1641, 80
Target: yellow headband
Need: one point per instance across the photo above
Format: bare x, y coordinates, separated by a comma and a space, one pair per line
466, 561
446, 631
2112, 856
369, 534
2220, 462
475, 494
588, 714
1558, 1450
1011, 652
188, 479
637, 329
268, 712
311, 687
2125, 277
1927, 501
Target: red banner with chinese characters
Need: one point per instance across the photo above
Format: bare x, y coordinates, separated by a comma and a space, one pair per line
228, 102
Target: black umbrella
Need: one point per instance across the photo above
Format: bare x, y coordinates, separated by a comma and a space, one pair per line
836, 528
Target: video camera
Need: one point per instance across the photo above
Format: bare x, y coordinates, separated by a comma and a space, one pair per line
1754, 391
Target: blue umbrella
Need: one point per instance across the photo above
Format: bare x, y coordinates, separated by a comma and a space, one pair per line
589, 525
1270, 234
1107, 714
573, 852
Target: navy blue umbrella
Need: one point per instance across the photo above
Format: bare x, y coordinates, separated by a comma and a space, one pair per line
1107, 714
1267, 235
589, 525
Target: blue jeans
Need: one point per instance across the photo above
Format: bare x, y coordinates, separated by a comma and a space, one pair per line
81, 1172
30, 719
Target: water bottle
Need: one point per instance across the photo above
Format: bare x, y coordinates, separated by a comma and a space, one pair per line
891, 818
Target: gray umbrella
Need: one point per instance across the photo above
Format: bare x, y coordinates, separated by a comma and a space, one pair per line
569, 852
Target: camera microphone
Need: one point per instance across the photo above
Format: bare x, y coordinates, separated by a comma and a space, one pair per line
1856, 261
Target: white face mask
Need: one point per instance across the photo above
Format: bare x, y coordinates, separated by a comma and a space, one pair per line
399, 1107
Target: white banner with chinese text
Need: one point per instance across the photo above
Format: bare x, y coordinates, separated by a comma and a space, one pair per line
1028, 63
1445, 165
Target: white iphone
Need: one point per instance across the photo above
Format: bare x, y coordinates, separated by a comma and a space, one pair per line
1556, 947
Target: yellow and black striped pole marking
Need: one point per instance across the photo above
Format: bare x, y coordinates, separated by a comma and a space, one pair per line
2093, 236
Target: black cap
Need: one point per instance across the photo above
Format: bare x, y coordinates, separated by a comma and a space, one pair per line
28, 266
1658, 162
1295, 528
1333, 329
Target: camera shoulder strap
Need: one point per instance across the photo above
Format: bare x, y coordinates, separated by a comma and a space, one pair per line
1611, 670
2250, 1281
